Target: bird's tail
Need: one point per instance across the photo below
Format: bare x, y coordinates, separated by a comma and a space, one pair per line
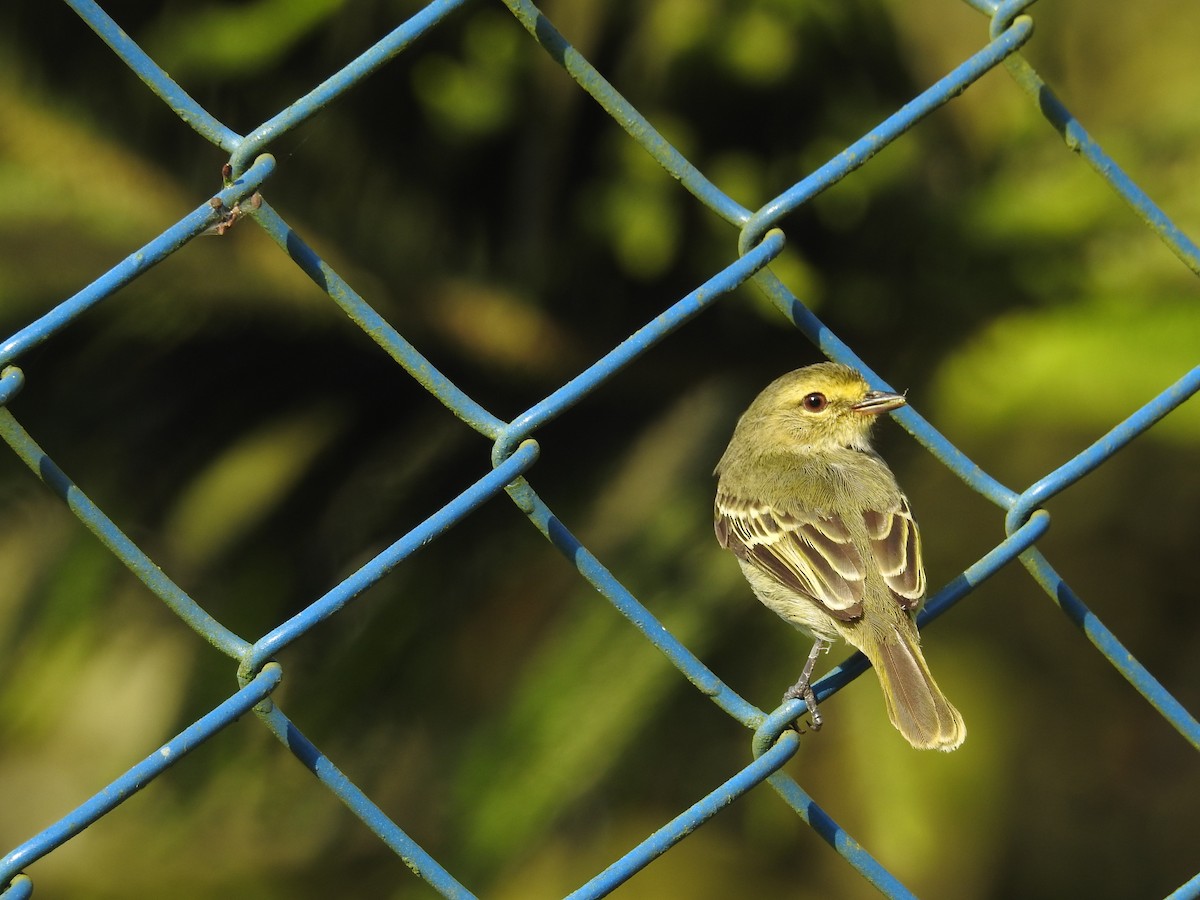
915, 704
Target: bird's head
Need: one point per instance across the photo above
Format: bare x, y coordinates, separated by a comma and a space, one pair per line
820, 407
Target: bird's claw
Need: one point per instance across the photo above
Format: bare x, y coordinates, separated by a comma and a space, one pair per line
801, 690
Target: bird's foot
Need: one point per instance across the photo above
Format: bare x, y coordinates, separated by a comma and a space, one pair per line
802, 689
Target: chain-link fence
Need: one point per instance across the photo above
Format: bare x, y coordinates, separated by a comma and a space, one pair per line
515, 447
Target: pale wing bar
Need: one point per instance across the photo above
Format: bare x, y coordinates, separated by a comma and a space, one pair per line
815, 556
896, 546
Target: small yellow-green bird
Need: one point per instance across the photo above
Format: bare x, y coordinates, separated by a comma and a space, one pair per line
826, 539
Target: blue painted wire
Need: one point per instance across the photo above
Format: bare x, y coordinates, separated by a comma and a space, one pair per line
244, 149
988, 565
20, 888
194, 223
1187, 891
728, 279
12, 380
688, 821
94, 519
987, 7
616, 593
142, 774
944, 90
1102, 450
624, 114
1003, 13
375, 326
410, 852
195, 115
1077, 139
380, 53
346, 590
838, 838
1111, 648
777, 729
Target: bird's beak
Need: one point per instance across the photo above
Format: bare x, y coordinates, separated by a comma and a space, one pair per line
876, 402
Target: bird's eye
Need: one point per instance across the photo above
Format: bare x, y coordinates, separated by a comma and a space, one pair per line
815, 402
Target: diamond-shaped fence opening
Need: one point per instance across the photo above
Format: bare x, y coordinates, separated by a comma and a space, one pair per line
584, 687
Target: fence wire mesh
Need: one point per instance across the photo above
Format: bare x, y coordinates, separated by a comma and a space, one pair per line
243, 201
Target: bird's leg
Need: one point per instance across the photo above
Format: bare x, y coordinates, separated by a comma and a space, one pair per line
802, 689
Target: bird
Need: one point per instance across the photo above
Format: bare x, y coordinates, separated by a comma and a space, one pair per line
827, 540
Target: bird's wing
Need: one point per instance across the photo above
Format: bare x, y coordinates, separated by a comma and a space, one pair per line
815, 556
896, 548
812, 555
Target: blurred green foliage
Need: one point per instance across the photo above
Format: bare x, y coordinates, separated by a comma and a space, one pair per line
260, 448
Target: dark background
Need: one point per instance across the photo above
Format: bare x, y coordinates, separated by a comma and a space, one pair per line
260, 447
